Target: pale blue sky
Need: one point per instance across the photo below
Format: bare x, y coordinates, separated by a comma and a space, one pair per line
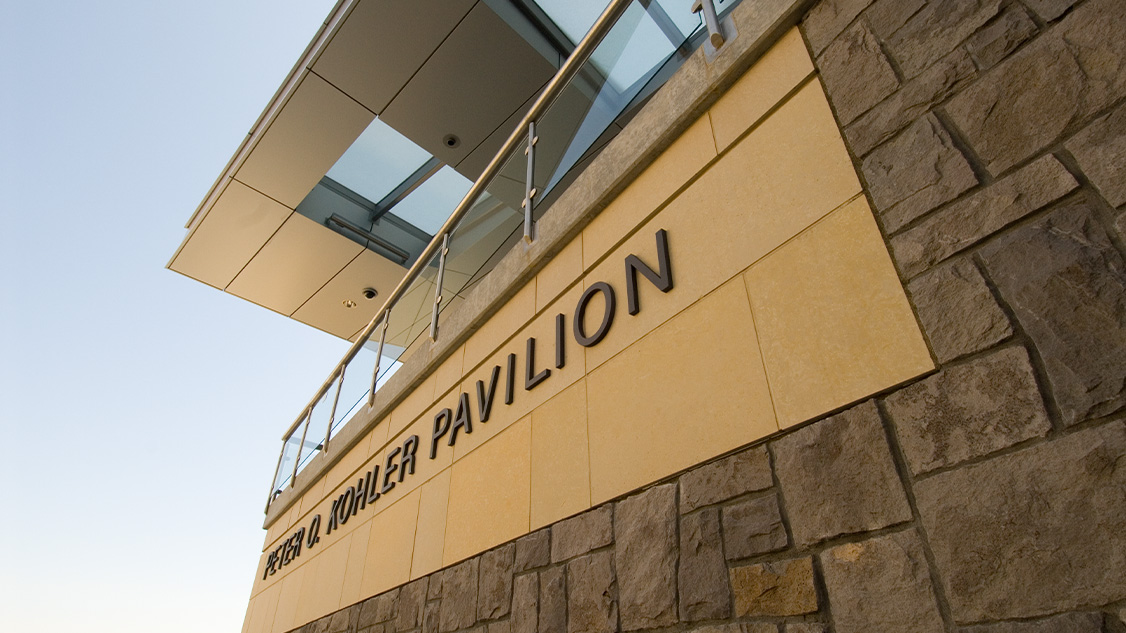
141, 410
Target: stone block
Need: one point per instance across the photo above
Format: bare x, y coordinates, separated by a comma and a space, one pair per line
728, 628
1066, 623
645, 552
1066, 285
888, 16
913, 100
705, 592
578, 535
827, 19
344, 620
592, 606
881, 584
935, 30
430, 617
1100, 150
753, 527
1034, 532
774, 589
533, 550
806, 627
758, 627
494, 593
856, 72
379, 608
976, 217
434, 592
837, 477
743, 472
957, 310
968, 411
553, 601
916, 172
996, 40
1067, 75
1049, 9
412, 602
500, 626
459, 596
525, 603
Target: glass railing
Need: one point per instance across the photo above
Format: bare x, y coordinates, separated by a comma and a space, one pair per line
633, 47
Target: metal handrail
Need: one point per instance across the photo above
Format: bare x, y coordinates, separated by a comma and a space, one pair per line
554, 87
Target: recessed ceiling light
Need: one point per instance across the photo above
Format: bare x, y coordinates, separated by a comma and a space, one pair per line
348, 303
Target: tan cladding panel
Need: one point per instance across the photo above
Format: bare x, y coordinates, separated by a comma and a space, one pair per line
784, 306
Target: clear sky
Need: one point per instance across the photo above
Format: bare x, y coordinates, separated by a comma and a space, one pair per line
142, 411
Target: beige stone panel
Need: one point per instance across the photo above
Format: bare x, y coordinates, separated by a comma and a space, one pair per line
285, 616
265, 606
390, 547
489, 494
408, 410
692, 389
778, 72
354, 569
303, 610
512, 316
354, 522
380, 434
278, 529
565, 268
660, 180
312, 497
324, 580
449, 373
425, 468
523, 401
560, 458
833, 319
430, 535
344, 470
788, 173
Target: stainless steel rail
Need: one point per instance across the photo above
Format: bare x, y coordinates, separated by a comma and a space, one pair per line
526, 128
554, 87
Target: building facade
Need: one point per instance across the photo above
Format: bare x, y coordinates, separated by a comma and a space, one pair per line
831, 336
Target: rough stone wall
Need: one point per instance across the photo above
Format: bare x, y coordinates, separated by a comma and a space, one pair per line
987, 497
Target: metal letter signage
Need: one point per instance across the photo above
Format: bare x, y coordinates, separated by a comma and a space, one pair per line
400, 461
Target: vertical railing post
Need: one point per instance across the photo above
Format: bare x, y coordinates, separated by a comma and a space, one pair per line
438, 287
529, 186
301, 445
715, 34
274, 480
332, 414
378, 357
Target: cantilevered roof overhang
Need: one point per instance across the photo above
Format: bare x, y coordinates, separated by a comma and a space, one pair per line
428, 69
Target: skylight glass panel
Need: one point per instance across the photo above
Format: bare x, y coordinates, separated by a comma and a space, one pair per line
641, 42
377, 162
573, 17
434, 201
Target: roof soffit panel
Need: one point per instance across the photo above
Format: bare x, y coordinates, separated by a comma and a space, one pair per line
383, 43
238, 225
478, 77
326, 309
293, 265
314, 128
